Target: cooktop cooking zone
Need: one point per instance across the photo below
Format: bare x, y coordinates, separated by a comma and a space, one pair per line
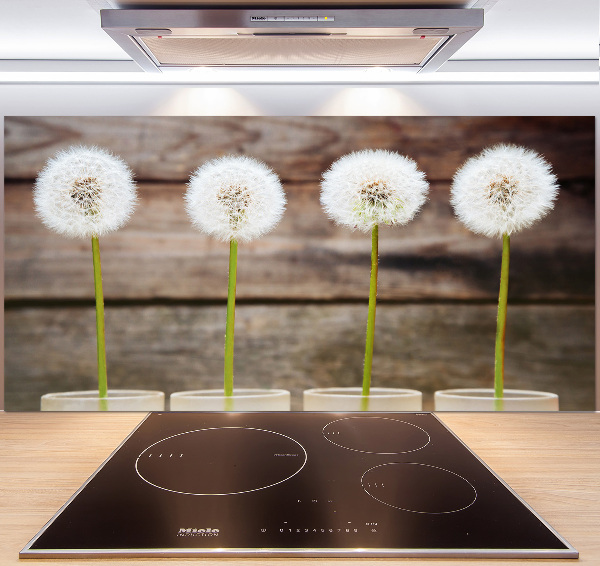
295, 484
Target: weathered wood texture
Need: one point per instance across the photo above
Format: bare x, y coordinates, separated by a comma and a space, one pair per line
426, 347
159, 255
298, 148
306, 283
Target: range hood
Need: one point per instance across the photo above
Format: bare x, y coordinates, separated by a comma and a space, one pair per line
414, 39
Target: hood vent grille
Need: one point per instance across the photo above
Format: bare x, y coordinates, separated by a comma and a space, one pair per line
166, 39
290, 51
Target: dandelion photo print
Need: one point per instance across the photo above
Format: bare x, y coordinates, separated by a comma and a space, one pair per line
303, 200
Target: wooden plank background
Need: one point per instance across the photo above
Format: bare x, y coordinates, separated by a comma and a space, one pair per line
302, 289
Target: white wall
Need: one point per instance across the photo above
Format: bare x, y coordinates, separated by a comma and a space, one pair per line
302, 100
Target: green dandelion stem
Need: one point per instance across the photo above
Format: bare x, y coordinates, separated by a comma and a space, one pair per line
100, 339
371, 316
230, 323
501, 324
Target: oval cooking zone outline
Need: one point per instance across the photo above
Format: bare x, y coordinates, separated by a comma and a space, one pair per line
466, 481
372, 452
305, 459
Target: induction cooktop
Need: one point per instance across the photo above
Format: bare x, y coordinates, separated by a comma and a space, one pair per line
295, 484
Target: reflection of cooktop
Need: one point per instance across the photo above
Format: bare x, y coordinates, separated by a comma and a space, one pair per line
295, 484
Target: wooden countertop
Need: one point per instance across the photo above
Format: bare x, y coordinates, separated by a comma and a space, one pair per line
551, 460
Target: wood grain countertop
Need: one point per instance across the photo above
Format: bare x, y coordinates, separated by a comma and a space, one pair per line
551, 460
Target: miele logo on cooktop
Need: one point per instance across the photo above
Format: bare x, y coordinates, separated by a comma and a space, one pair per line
194, 532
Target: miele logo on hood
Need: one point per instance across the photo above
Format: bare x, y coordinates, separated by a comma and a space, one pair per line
292, 18
194, 532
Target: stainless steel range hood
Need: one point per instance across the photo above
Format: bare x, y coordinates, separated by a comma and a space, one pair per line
409, 38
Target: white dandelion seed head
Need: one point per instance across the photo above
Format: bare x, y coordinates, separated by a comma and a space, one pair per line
234, 198
84, 192
370, 187
502, 190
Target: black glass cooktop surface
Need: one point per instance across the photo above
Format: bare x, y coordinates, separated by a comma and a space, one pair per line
295, 484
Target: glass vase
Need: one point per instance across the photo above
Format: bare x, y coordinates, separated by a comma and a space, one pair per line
242, 400
117, 400
352, 399
484, 400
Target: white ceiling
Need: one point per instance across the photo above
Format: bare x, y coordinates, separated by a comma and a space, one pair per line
514, 30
